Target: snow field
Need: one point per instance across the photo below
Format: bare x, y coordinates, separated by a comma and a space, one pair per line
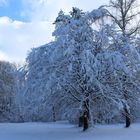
65, 131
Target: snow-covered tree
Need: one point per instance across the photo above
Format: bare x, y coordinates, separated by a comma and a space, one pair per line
124, 16
75, 38
8, 91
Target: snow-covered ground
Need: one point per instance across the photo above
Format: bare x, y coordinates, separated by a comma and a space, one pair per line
65, 131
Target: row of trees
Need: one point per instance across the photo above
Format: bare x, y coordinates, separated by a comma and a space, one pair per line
91, 68
8, 90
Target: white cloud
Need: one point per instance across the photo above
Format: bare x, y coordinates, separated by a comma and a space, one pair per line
5, 20
3, 56
16, 37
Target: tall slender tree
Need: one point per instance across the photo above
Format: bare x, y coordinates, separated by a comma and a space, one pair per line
125, 14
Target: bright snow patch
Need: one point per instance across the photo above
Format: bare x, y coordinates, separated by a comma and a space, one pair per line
65, 131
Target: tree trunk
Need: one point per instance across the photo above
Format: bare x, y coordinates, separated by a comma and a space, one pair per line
81, 121
85, 121
54, 116
126, 111
127, 118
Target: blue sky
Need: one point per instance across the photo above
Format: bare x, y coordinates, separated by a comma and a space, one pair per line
25, 24
12, 9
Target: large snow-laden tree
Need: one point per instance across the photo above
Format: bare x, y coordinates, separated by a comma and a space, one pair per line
74, 36
130, 82
129, 87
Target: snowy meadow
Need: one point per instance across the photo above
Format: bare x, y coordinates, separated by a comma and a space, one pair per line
66, 131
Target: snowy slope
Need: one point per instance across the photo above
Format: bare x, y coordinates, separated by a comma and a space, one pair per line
65, 131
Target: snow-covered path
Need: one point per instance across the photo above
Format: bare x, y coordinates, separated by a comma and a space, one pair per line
65, 131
